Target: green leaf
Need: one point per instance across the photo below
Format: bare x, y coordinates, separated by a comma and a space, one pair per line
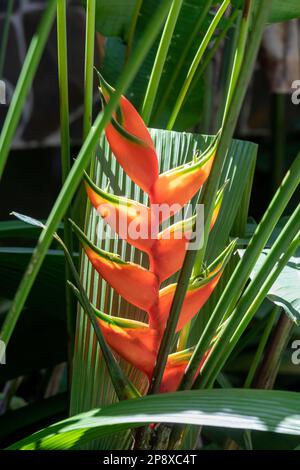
285, 292
261, 410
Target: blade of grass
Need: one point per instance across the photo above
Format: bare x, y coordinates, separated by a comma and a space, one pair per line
75, 175
24, 83
195, 63
62, 56
160, 59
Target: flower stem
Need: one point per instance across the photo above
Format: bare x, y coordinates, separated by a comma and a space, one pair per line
62, 57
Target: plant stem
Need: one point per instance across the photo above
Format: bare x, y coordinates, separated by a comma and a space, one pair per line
24, 83
182, 58
88, 66
67, 192
5, 32
261, 347
239, 54
132, 28
267, 373
160, 59
62, 56
195, 63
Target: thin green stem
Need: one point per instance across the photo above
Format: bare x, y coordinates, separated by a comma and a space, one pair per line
183, 57
132, 28
24, 83
210, 54
240, 52
160, 60
4, 38
62, 56
195, 63
67, 192
261, 347
88, 66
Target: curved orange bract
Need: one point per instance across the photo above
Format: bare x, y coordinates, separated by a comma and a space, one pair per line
133, 282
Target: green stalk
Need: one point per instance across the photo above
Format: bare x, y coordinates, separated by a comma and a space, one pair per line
240, 51
24, 83
135, 15
242, 272
286, 244
261, 347
210, 54
62, 57
5, 32
160, 59
88, 66
195, 63
183, 57
213, 182
67, 192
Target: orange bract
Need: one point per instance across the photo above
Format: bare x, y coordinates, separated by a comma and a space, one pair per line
132, 145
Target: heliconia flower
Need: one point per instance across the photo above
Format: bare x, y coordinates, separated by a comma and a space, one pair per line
199, 291
177, 186
130, 141
133, 282
131, 220
134, 341
168, 251
175, 368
